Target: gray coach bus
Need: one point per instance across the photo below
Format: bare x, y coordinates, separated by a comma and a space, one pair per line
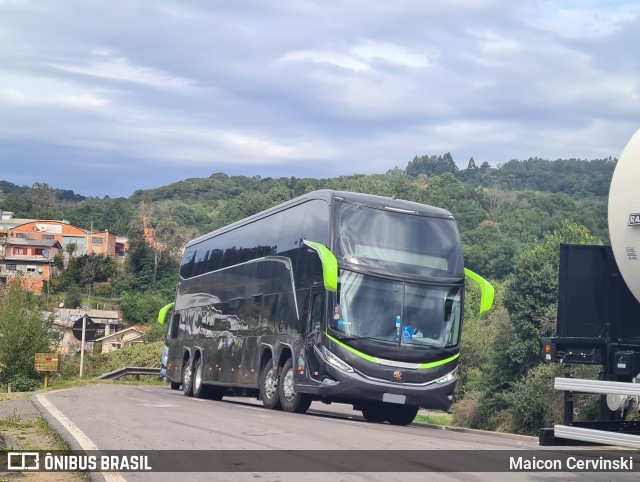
332, 296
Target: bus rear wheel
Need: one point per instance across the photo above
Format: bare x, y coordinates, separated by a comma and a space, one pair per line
291, 400
187, 378
175, 385
199, 390
401, 414
269, 387
374, 412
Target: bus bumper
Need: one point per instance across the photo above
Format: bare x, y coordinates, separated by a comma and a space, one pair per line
355, 387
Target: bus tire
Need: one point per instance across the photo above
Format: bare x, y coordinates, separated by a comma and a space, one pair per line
269, 387
401, 414
291, 400
187, 378
374, 412
175, 385
199, 390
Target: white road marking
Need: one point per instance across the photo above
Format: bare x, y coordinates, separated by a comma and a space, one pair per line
84, 441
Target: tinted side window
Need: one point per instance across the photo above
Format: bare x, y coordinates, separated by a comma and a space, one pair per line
286, 317
186, 267
251, 313
317, 311
299, 324
268, 314
291, 228
316, 222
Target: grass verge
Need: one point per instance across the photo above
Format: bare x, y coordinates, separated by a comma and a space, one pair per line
445, 419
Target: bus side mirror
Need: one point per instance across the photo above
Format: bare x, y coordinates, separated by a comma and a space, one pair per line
162, 314
486, 289
329, 264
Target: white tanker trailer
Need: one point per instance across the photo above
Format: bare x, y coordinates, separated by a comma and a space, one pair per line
599, 319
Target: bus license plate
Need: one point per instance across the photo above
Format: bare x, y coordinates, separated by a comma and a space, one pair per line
393, 398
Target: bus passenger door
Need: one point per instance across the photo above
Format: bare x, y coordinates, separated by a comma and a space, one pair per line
174, 353
314, 331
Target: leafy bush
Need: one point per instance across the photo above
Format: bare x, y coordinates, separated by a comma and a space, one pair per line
25, 332
534, 403
465, 412
22, 383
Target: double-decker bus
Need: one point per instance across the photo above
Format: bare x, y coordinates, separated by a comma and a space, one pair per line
332, 296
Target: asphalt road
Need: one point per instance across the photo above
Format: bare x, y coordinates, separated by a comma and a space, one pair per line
125, 417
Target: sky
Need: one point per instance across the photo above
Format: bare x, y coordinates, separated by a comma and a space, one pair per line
105, 98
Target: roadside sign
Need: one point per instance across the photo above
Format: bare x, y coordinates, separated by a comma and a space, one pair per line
90, 329
47, 362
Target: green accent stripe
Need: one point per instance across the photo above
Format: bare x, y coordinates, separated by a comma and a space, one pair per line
353, 350
486, 298
163, 312
375, 360
439, 362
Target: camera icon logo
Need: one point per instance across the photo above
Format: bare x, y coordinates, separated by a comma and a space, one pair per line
23, 461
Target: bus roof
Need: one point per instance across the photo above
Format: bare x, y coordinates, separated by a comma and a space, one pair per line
330, 195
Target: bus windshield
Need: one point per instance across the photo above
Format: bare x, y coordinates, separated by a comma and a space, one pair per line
370, 308
405, 243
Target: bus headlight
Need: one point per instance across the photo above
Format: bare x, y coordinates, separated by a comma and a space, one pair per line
449, 377
335, 361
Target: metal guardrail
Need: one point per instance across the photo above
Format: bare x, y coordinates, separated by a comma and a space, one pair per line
613, 435
597, 386
121, 372
597, 436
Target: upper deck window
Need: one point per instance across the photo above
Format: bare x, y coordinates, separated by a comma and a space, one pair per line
402, 242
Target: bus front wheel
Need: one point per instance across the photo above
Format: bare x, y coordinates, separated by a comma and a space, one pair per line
401, 414
374, 412
291, 400
269, 387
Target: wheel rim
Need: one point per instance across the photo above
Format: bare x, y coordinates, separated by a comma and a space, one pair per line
187, 376
198, 378
270, 384
287, 386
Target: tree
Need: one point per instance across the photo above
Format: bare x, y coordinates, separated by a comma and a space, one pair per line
23, 332
432, 165
532, 293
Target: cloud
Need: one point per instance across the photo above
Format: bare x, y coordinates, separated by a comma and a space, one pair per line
338, 60
361, 56
121, 69
391, 53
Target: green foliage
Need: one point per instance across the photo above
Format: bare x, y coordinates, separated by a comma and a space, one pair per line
87, 269
137, 355
74, 297
22, 383
23, 333
534, 403
140, 308
432, 165
532, 292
